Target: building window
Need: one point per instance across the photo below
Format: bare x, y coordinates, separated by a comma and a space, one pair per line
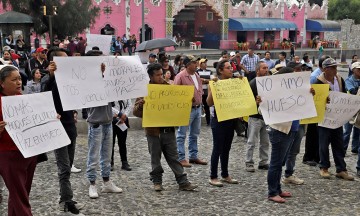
209, 16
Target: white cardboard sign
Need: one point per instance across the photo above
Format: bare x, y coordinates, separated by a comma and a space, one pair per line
285, 97
101, 41
340, 110
31, 121
80, 82
125, 78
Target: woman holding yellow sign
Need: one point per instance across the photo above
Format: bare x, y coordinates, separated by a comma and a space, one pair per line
223, 133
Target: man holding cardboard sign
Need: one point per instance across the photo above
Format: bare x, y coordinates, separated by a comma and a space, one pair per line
328, 135
161, 140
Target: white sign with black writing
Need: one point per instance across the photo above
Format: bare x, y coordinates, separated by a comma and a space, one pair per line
80, 82
340, 110
32, 123
101, 41
125, 78
285, 97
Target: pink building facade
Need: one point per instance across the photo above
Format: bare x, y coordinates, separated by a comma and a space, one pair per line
208, 21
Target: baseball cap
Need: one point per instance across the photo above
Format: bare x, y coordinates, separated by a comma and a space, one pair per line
355, 65
189, 58
232, 54
203, 60
152, 55
293, 64
329, 63
40, 49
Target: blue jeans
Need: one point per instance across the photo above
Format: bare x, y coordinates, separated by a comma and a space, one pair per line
293, 151
223, 133
194, 126
100, 146
335, 137
355, 140
280, 143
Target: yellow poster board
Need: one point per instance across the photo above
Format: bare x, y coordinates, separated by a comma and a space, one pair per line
167, 105
233, 98
321, 93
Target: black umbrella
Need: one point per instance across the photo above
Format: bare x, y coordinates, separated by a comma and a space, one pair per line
155, 44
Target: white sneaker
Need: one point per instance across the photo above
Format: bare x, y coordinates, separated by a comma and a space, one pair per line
93, 192
74, 169
109, 187
292, 180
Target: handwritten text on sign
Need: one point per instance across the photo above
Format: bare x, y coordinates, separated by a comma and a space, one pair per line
125, 78
31, 121
341, 109
321, 94
167, 105
285, 97
101, 41
233, 98
80, 82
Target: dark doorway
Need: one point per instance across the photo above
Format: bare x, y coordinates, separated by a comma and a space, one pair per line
198, 22
241, 36
107, 30
148, 33
292, 36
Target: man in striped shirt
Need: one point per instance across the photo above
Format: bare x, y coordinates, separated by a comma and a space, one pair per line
249, 61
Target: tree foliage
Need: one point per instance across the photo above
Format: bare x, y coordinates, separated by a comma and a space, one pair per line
73, 16
344, 9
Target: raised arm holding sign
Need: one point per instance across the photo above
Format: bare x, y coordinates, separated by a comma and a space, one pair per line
285, 97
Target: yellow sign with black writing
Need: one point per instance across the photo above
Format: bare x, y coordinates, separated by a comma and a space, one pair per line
167, 105
233, 98
321, 93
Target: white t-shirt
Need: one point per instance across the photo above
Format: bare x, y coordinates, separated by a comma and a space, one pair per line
193, 77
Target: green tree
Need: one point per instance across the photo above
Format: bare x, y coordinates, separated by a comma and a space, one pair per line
343, 9
73, 16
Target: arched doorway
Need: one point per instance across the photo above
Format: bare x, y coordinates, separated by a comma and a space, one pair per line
148, 33
107, 30
198, 22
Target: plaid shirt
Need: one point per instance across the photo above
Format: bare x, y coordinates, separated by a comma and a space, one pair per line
250, 62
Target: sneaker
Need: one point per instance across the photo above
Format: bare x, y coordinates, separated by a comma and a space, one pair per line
250, 168
324, 173
74, 169
69, 207
292, 180
109, 187
158, 187
354, 152
344, 175
93, 194
263, 167
187, 187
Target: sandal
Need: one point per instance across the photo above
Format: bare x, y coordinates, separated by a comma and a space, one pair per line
285, 194
277, 199
215, 182
230, 180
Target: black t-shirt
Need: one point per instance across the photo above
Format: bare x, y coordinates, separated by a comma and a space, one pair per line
254, 90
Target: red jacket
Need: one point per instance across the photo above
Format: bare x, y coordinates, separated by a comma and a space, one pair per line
6, 143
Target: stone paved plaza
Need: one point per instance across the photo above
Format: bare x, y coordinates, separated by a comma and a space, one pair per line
316, 197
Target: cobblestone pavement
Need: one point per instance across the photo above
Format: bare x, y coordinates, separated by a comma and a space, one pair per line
316, 197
